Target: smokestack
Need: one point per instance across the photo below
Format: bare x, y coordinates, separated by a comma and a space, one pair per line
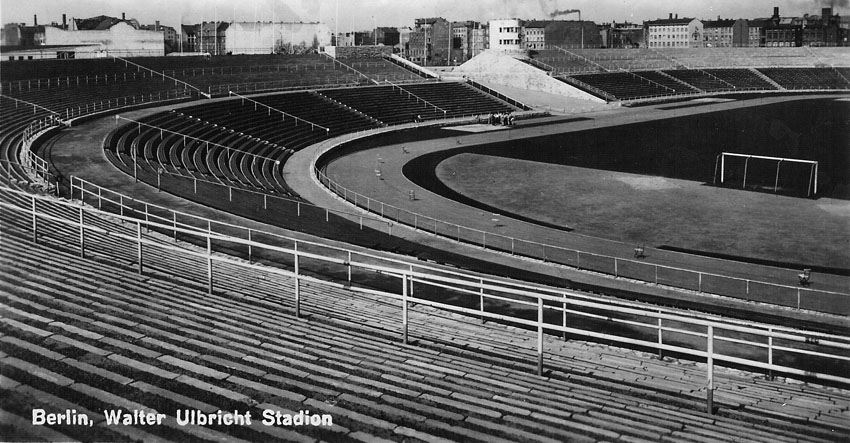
157, 26
123, 17
677, 16
776, 12
34, 20
671, 16
64, 22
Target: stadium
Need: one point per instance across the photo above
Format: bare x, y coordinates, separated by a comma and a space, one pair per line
358, 248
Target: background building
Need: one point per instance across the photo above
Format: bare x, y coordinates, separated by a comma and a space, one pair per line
534, 33
468, 40
220, 38
717, 33
430, 42
572, 34
674, 32
387, 36
169, 35
99, 36
621, 35
506, 35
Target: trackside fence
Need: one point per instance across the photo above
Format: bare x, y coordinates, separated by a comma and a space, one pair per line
128, 238
798, 297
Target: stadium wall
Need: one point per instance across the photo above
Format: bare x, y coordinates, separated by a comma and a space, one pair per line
501, 69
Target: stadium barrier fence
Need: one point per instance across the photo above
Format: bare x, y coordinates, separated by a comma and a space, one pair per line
546, 310
797, 297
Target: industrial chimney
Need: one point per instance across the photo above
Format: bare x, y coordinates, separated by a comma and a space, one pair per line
123, 16
64, 22
671, 16
34, 20
775, 12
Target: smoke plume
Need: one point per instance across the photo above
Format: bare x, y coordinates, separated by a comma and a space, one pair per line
570, 11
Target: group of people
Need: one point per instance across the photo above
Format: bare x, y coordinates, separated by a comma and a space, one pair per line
500, 118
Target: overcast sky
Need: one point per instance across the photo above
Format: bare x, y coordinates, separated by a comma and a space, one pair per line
364, 14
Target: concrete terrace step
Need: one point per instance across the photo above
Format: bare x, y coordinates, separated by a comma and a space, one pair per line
217, 350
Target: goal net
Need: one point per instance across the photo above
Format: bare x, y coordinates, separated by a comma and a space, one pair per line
789, 176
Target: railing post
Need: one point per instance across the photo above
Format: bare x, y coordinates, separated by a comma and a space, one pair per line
540, 336
660, 337
710, 369
82, 235
34, 226
349, 268
481, 299
564, 332
209, 263
139, 241
770, 353
404, 308
297, 283
250, 248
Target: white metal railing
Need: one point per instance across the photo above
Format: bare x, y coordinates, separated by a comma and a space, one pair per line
176, 81
716, 340
335, 62
270, 202
418, 98
497, 94
89, 192
275, 85
282, 113
704, 282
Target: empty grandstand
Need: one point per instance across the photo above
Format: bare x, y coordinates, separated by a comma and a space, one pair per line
149, 302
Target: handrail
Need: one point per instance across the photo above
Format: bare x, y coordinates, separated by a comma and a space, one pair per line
208, 143
581, 57
487, 282
85, 187
138, 66
570, 79
285, 114
503, 243
641, 326
497, 94
409, 94
334, 60
649, 80
34, 105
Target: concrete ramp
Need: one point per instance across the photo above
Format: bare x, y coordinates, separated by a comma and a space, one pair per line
502, 69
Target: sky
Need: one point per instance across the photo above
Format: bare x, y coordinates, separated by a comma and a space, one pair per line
347, 15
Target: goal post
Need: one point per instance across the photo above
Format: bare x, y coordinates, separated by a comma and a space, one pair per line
759, 172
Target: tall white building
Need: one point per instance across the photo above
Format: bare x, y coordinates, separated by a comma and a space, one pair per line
506, 34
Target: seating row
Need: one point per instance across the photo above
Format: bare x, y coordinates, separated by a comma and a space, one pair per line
645, 84
115, 339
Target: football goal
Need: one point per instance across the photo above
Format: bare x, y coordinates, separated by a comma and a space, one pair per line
792, 176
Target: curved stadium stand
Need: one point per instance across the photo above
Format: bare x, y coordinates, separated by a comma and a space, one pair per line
158, 341
154, 343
